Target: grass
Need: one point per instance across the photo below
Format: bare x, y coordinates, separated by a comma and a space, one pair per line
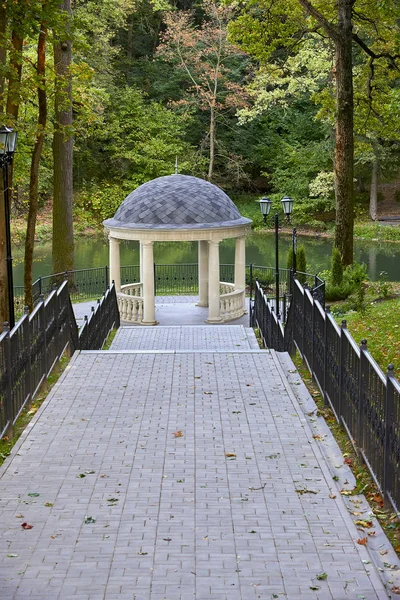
27, 414
379, 325
110, 339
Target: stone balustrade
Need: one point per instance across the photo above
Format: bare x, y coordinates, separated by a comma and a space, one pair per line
232, 302
130, 303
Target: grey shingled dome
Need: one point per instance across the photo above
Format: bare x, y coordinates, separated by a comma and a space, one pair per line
176, 201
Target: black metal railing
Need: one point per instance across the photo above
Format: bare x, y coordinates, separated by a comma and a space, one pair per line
169, 280
364, 400
30, 350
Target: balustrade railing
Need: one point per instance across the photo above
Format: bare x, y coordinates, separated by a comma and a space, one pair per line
130, 302
29, 352
231, 301
364, 400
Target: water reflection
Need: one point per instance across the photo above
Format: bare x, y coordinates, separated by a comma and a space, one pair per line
260, 249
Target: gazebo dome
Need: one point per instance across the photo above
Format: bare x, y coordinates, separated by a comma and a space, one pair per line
176, 202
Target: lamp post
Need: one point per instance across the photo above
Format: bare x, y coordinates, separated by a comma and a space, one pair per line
265, 207
8, 142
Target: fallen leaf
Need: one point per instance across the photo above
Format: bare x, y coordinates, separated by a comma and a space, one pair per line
362, 541
371, 533
313, 587
112, 499
366, 524
208, 393
348, 461
142, 553
33, 494
389, 566
332, 496
103, 475
167, 539
177, 434
396, 589
49, 504
383, 552
89, 520
12, 555
306, 491
26, 526
230, 454
19, 516
319, 437
347, 492
322, 576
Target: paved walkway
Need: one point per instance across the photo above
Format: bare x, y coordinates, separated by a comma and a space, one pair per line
160, 474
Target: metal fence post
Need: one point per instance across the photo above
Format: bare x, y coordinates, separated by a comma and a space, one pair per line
40, 286
342, 327
27, 341
43, 323
360, 419
107, 285
327, 313
8, 403
389, 414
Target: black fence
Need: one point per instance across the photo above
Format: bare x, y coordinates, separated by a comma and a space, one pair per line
180, 279
364, 399
30, 350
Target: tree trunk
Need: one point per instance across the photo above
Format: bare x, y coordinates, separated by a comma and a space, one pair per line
344, 156
34, 176
212, 144
3, 252
14, 82
373, 194
63, 238
3, 54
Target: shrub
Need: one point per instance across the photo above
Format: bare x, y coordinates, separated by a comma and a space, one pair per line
289, 263
353, 282
336, 268
301, 264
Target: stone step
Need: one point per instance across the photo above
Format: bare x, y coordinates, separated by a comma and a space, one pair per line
184, 337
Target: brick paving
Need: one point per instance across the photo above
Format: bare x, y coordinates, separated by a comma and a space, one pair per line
176, 475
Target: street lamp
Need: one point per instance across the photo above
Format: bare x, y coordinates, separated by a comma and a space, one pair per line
8, 143
265, 206
287, 206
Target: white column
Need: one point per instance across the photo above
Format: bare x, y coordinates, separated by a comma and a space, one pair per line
203, 273
148, 284
240, 263
213, 282
140, 262
115, 265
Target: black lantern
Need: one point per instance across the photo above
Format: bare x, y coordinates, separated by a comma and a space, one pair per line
265, 207
8, 143
287, 206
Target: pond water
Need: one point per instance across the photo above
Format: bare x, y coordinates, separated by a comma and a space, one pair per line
260, 250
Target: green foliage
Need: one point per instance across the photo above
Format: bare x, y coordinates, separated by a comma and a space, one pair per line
289, 263
301, 264
336, 268
383, 287
380, 327
353, 283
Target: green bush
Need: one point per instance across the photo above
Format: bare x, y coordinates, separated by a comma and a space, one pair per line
353, 283
336, 268
289, 263
301, 264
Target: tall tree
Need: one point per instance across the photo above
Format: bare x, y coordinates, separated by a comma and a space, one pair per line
205, 56
63, 237
269, 29
36, 154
